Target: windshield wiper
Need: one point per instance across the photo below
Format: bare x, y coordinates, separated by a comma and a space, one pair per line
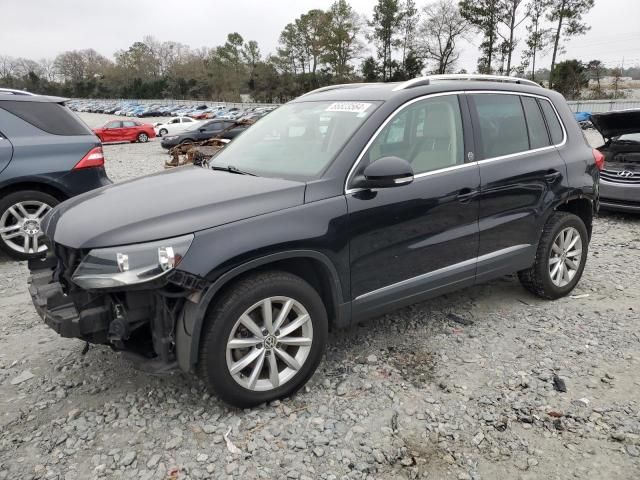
231, 169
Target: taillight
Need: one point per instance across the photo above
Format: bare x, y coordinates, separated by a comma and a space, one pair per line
94, 158
598, 157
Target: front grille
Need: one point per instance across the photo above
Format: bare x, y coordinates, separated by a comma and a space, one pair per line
624, 174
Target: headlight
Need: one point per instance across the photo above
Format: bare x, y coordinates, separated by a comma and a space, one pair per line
170, 137
130, 264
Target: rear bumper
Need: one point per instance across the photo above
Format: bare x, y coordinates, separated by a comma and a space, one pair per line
619, 196
59, 312
83, 180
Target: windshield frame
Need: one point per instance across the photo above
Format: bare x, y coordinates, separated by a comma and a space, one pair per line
375, 106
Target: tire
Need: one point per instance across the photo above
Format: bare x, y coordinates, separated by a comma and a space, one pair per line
143, 137
163, 132
186, 141
224, 326
11, 215
538, 279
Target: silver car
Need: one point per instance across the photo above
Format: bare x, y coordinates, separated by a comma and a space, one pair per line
620, 179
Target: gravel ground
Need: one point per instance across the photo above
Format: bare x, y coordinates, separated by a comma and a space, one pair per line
462, 387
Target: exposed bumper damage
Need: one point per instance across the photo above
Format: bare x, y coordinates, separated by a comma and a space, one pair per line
141, 322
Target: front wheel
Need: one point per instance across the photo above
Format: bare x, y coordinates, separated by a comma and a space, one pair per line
560, 258
163, 132
263, 339
20, 216
143, 137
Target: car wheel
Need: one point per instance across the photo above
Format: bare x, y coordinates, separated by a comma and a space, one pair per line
163, 132
20, 216
560, 258
187, 141
263, 339
143, 137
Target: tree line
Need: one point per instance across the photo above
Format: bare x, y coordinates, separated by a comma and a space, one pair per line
397, 41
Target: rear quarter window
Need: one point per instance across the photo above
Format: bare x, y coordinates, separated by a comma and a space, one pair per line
49, 117
555, 128
538, 136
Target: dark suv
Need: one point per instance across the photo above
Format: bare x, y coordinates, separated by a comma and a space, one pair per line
348, 202
46, 155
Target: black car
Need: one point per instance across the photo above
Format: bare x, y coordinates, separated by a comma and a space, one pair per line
46, 156
620, 178
205, 131
344, 204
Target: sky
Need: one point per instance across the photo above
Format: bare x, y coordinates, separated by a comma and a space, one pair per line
43, 28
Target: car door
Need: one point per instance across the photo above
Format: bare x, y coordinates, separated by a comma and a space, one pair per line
130, 130
414, 241
521, 174
110, 131
211, 130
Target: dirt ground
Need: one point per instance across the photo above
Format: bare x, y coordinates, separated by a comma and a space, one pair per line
461, 387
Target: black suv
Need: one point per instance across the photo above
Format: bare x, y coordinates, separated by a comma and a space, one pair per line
345, 203
46, 155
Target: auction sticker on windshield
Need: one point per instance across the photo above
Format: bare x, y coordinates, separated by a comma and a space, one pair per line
354, 107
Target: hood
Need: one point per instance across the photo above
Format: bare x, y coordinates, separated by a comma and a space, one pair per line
167, 204
614, 124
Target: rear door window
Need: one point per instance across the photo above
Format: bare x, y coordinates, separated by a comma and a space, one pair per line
129, 124
49, 117
538, 136
555, 128
501, 124
114, 124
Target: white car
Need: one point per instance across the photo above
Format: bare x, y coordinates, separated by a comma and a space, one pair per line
175, 125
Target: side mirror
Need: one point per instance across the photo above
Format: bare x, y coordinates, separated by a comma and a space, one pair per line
385, 173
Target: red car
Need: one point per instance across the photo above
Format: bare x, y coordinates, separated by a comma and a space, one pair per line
125, 131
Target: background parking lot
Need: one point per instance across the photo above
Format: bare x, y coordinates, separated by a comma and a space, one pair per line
464, 386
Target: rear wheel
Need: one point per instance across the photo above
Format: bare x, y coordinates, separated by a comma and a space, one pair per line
20, 216
263, 339
560, 258
143, 137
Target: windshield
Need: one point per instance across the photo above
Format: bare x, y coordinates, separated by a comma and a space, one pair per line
298, 141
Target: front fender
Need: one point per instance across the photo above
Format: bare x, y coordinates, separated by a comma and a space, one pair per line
191, 321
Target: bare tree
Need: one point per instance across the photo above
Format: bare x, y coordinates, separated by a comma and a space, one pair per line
441, 28
7, 66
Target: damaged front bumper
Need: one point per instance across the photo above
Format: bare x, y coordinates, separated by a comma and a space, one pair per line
141, 322
60, 313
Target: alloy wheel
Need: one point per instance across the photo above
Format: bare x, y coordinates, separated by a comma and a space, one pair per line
20, 226
143, 137
565, 256
269, 343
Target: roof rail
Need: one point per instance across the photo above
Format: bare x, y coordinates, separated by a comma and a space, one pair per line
420, 81
336, 87
13, 91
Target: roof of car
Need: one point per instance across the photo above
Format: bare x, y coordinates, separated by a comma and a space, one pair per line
24, 96
422, 86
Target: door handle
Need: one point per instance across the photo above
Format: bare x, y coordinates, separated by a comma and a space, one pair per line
466, 194
552, 176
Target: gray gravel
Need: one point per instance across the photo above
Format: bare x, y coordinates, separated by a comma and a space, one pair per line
461, 387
